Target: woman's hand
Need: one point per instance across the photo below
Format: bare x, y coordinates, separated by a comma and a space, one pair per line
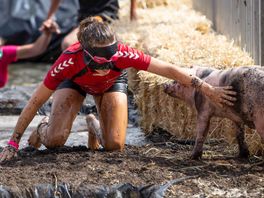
8, 153
221, 95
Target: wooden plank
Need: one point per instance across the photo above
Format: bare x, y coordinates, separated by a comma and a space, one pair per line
261, 32
240, 20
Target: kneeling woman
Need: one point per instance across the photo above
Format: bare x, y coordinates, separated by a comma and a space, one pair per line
95, 65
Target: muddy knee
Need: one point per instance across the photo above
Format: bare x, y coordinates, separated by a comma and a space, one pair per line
55, 140
114, 146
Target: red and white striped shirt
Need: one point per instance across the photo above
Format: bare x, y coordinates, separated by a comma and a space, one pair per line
72, 62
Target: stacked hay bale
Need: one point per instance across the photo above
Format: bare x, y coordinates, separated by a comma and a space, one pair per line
178, 34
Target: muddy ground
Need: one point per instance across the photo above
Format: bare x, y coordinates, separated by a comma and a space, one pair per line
154, 167
88, 173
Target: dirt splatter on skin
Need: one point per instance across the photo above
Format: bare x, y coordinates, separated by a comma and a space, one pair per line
155, 163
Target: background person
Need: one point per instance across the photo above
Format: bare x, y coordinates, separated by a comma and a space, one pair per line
106, 10
12, 53
96, 65
21, 19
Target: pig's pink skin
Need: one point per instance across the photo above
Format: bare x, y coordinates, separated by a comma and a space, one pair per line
248, 110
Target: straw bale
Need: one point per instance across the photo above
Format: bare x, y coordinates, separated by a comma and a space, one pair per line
256, 145
177, 34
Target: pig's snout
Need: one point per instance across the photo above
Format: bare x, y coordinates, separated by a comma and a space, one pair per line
167, 88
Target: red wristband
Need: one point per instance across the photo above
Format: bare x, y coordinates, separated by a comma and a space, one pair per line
13, 144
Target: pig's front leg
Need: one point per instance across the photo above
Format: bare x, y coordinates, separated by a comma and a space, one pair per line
202, 126
240, 136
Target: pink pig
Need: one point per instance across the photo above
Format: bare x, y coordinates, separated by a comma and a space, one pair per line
248, 110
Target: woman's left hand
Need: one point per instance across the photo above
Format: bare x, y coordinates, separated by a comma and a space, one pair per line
8, 153
222, 95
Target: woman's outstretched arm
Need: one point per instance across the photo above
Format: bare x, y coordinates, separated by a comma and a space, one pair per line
218, 95
39, 97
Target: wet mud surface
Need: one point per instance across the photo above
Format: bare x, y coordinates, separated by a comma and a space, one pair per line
164, 160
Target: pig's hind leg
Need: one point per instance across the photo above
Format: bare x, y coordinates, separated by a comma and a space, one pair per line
240, 136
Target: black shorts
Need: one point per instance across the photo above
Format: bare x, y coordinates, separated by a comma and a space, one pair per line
120, 85
107, 9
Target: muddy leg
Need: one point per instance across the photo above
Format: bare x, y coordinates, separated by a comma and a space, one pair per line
242, 145
201, 133
65, 106
113, 116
